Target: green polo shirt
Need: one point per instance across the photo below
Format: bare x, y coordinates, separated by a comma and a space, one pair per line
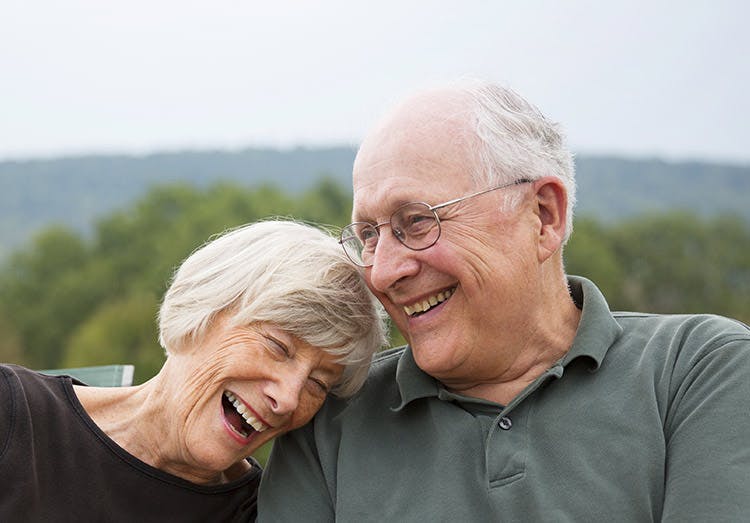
645, 419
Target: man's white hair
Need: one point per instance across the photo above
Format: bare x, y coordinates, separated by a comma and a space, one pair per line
516, 141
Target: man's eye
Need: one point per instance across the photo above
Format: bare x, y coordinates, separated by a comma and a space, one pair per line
368, 234
416, 219
417, 224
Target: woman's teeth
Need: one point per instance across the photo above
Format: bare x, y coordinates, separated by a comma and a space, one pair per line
428, 303
245, 412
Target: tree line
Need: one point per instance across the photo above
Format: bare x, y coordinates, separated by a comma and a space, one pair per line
75, 190
70, 300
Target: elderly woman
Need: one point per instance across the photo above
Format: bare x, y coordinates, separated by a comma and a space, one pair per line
259, 326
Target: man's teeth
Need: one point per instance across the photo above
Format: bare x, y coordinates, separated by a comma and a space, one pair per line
245, 412
427, 303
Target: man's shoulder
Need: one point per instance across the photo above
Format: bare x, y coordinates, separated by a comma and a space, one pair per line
708, 325
380, 387
683, 336
383, 371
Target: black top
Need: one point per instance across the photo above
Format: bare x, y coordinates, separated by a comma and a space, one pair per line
57, 465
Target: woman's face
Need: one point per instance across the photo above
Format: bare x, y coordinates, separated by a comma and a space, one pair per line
244, 386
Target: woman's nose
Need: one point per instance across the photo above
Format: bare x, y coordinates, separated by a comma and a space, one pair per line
284, 394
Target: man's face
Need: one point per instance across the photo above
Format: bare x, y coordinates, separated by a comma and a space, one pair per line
473, 280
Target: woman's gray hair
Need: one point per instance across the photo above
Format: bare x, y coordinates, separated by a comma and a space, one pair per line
517, 141
285, 273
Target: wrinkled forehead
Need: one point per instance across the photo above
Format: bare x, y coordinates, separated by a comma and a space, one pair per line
399, 168
421, 151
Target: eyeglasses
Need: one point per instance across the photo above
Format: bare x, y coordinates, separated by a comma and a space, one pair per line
416, 225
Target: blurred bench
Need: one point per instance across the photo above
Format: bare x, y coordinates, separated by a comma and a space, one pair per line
99, 375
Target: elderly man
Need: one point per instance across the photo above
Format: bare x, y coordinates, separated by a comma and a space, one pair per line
520, 396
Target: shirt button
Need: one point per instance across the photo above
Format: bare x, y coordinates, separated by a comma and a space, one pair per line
505, 423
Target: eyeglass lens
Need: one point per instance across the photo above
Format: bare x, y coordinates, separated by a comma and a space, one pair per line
415, 225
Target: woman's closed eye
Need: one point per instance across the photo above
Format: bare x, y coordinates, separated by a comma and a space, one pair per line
277, 347
318, 386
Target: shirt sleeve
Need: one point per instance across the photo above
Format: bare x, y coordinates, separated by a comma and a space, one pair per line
293, 487
706, 434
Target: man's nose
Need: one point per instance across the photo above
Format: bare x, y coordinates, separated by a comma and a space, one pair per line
391, 262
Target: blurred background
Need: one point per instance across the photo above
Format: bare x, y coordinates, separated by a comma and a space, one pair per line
130, 132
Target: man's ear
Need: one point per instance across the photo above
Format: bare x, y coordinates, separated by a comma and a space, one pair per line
551, 208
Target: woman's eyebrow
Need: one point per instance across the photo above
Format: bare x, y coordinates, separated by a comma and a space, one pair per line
327, 370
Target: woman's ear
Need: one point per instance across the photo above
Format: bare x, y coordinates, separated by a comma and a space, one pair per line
552, 206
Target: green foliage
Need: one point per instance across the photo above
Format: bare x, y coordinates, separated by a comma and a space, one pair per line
44, 292
590, 253
263, 452
71, 302
328, 203
67, 301
74, 191
667, 263
10, 341
123, 331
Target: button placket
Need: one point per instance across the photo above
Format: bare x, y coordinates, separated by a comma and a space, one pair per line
506, 451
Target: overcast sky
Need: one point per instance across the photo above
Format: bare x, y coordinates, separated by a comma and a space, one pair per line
641, 78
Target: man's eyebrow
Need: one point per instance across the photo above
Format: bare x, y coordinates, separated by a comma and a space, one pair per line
363, 220
390, 207
361, 217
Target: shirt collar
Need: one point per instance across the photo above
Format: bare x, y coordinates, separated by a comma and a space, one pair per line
597, 331
413, 382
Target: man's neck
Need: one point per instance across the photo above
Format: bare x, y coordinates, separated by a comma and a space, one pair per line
554, 328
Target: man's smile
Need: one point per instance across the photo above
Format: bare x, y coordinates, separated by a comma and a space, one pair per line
422, 306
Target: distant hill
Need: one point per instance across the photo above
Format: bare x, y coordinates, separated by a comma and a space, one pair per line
75, 191
613, 188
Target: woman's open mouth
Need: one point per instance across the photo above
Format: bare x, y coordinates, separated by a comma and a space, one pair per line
239, 418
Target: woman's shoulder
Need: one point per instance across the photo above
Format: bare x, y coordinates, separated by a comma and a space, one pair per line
25, 393
16, 380
27, 398
10, 370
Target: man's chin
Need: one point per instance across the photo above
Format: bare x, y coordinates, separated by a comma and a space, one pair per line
432, 357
